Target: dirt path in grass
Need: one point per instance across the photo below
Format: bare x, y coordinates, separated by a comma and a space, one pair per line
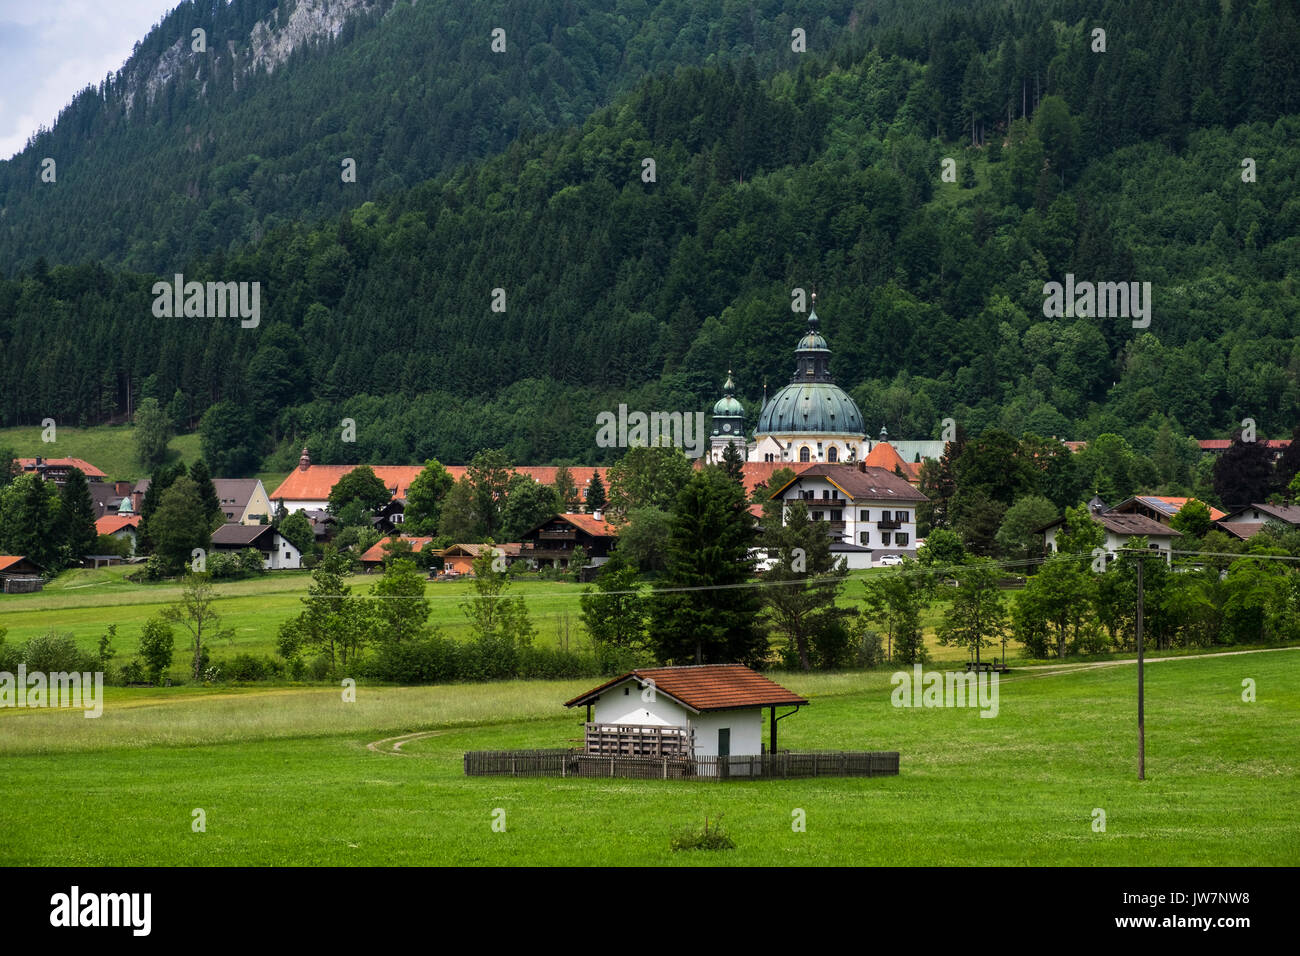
393, 745
1051, 670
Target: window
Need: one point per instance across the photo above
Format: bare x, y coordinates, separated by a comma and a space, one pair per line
724, 741
866, 514
817, 516
825, 494
838, 515
902, 516
864, 538
884, 537
803, 453
832, 454
900, 538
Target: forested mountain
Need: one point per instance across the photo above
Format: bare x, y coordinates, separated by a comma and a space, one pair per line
1117, 166
183, 153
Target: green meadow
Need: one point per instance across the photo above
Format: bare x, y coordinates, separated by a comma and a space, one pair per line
286, 776
110, 448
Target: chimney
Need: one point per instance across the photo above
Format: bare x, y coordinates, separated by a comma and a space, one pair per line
862, 467
598, 514
304, 461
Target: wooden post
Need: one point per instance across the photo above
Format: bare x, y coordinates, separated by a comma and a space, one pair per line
1142, 730
773, 746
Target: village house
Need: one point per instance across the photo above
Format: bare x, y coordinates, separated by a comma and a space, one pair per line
1245, 523
277, 552
1120, 529
1161, 508
866, 507
19, 575
122, 527
56, 469
243, 500
111, 498
375, 556
703, 710
459, 558
554, 540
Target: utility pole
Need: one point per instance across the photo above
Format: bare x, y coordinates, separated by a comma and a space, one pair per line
1142, 730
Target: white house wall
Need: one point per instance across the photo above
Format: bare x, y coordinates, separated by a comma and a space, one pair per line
746, 731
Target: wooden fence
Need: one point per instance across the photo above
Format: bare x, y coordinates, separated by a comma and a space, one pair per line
780, 765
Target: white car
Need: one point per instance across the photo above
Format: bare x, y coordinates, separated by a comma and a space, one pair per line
890, 560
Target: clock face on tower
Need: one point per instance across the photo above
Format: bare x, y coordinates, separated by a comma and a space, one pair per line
726, 426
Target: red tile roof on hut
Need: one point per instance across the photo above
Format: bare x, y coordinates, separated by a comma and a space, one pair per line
705, 687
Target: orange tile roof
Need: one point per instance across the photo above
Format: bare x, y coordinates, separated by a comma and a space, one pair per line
7, 560
590, 524
760, 472
315, 481
706, 687
111, 524
87, 469
377, 553
886, 456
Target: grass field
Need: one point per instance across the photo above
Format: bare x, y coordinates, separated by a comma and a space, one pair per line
285, 777
110, 448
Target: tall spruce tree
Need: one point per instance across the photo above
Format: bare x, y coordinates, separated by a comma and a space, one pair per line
207, 492
76, 523
596, 500
805, 579
699, 613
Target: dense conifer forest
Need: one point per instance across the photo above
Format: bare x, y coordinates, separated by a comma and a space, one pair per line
773, 171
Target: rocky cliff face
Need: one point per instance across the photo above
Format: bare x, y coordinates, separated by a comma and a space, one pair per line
272, 40
294, 24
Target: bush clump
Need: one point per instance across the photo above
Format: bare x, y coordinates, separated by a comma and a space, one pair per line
710, 838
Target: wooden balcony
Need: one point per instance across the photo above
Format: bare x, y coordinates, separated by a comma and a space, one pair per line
557, 535
890, 525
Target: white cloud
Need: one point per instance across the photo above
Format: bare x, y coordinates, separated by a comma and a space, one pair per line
50, 50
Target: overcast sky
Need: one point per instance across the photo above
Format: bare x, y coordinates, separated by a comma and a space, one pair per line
52, 49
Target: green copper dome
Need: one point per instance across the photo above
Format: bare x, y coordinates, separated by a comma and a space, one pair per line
811, 407
811, 403
727, 406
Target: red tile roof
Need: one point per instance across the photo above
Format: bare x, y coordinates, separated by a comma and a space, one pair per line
111, 524
599, 528
706, 687
886, 456
87, 469
315, 481
760, 472
377, 553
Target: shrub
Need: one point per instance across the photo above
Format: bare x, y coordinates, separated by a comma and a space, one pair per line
133, 673
249, 667
319, 667
250, 562
157, 643
425, 660
222, 565
707, 839
870, 649
55, 651
10, 655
